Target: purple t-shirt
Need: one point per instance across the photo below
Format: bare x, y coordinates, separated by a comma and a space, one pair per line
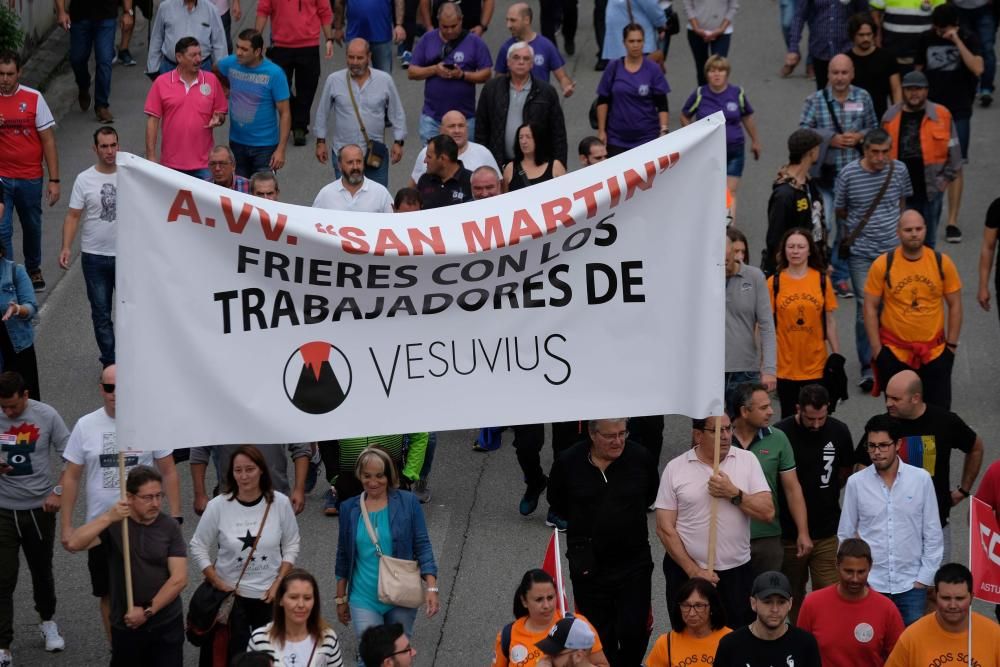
547, 57
633, 118
732, 102
443, 95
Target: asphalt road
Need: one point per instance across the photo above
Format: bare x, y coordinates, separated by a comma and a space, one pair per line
482, 544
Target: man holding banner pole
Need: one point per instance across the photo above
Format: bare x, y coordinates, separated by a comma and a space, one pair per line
687, 490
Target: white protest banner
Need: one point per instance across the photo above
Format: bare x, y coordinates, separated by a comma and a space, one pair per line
597, 294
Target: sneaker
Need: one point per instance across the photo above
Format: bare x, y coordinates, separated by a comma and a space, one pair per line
952, 234
83, 97
299, 136
405, 58
6, 659
50, 633
986, 98
104, 115
125, 58
529, 502
37, 281
553, 520
422, 491
842, 288
330, 503
866, 383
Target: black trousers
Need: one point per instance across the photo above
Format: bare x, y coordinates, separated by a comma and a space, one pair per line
734, 588
33, 532
302, 67
788, 394
556, 13
600, 8
617, 604
161, 646
935, 375
821, 68
530, 438
648, 432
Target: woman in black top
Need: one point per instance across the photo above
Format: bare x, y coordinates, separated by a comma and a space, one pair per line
533, 161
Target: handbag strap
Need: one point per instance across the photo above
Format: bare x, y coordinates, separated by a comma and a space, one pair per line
312, 653
357, 112
628, 6
368, 525
670, 659
833, 114
853, 236
246, 563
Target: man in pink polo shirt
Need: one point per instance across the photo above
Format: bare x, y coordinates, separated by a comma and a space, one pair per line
189, 103
683, 510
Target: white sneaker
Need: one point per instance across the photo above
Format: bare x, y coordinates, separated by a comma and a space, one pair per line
6, 659
50, 633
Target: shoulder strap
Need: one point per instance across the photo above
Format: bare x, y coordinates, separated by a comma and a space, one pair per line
774, 291
822, 293
742, 100
260, 530
368, 524
357, 112
853, 236
628, 6
670, 657
888, 266
505, 639
937, 256
697, 100
833, 114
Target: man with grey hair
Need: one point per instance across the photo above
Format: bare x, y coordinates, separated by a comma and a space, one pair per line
264, 184
547, 59
353, 191
471, 154
485, 182
222, 167
602, 489
516, 98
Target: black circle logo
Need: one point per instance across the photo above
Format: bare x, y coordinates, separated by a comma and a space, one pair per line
317, 377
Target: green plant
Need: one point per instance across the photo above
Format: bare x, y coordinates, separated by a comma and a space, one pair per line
11, 36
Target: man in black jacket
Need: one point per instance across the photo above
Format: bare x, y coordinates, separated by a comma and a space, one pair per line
795, 200
515, 98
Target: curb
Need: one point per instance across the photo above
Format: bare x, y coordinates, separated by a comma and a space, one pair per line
47, 59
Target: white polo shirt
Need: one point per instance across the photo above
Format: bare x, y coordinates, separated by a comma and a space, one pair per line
372, 197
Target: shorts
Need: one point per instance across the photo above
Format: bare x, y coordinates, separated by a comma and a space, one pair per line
100, 578
963, 128
735, 159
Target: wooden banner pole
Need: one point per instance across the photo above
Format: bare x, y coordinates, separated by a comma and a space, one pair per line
714, 503
126, 549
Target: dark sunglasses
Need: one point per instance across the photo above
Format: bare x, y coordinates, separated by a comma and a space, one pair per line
108, 387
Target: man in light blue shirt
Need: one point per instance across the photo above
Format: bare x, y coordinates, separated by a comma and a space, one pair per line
185, 18
891, 505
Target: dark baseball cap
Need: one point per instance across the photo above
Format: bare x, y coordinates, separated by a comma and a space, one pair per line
771, 583
569, 633
915, 79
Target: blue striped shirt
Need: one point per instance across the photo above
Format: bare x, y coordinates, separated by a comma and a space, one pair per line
856, 114
855, 191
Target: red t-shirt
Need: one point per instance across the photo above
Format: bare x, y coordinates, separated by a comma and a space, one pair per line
23, 114
851, 633
184, 114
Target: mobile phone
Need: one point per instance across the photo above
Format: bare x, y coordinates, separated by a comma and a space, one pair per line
449, 66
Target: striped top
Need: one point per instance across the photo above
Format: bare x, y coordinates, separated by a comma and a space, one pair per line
855, 191
327, 653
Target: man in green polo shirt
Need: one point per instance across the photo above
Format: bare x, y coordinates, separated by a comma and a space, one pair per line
751, 411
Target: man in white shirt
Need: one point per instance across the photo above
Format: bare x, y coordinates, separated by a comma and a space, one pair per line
93, 449
95, 201
891, 505
353, 191
472, 155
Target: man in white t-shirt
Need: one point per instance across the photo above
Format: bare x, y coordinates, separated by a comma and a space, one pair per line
354, 191
472, 155
95, 200
92, 455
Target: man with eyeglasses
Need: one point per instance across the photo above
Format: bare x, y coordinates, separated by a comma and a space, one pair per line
602, 488
891, 505
92, 450
33, 437
683, 511
154, 624
222, 166
386, 646
568, 644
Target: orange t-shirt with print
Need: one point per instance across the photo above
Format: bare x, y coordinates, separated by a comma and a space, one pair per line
799, 327
685, 649
913, 306
927, 644
523, 652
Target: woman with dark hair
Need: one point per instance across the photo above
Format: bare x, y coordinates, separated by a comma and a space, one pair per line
298, 635
533, 161
698, 621
803, 301
17, 336
251, 523
536, 610
631, 98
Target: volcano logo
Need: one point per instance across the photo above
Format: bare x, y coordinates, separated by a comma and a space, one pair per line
317, 378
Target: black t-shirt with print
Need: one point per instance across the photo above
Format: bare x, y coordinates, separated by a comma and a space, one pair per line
951, 82
795, 648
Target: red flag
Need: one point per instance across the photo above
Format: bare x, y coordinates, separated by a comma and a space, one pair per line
551, 564
984, 552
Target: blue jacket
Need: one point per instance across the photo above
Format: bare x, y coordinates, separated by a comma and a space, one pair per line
409, 533
15, 286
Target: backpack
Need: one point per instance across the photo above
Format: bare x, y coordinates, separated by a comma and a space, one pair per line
742, 99
889, 256
505, 640
822, 291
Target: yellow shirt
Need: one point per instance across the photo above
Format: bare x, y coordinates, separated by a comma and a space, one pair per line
685, 649
927, 644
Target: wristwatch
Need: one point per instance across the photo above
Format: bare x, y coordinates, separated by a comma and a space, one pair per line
57, 489
148, 612
737, 499
340, 601
963, 492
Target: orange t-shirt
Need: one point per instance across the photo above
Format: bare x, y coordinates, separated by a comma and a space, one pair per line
927, 644
685, 650
523, 652
799, 328
913, 307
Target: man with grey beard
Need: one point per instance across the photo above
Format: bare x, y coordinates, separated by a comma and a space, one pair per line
353, 191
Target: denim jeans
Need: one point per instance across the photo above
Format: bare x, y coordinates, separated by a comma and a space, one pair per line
786, 10
983, 23
911, 604
382, 56
858, 267
430, 128
701, 50
25, 196
362, 619
251, 159
99, 37
202, 174
380, 175
840, 272
99, 276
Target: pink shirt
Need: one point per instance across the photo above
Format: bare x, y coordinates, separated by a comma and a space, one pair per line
184, 114
684, 488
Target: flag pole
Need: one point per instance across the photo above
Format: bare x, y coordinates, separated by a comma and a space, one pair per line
714, 502
125, 543
971, 529
560, 591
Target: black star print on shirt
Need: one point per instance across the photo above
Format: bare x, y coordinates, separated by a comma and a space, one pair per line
247, 541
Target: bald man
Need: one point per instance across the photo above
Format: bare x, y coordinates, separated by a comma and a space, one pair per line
928, 434
842, 135
908, 293
547, 59
485, 183
472, 155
